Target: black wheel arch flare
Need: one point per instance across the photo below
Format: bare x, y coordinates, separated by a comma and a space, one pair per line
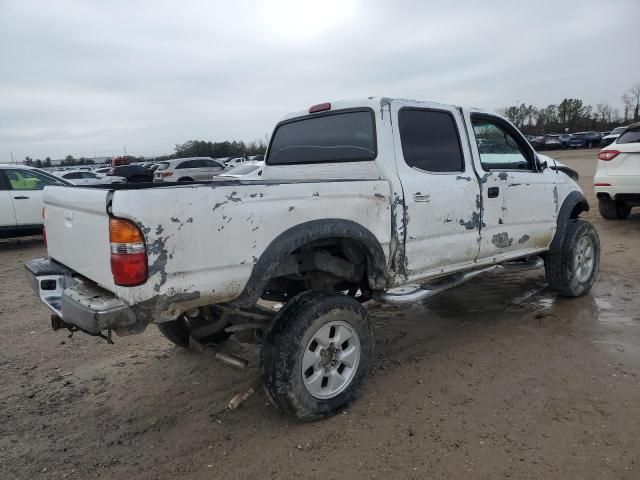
290, 240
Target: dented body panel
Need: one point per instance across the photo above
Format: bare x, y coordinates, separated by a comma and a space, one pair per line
204, 242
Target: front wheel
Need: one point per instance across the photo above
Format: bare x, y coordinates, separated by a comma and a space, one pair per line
317, 354
572, 270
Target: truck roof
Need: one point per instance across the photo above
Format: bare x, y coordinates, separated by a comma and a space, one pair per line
375, 103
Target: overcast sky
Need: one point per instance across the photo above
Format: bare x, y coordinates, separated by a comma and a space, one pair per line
84, 76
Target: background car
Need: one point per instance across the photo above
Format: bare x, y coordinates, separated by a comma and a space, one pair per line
132, 173
234, 161
81, 177
245, 171
21, 199
585, 139
617, 178
564, 139
609, 139
552, 142
188, 169
537, 142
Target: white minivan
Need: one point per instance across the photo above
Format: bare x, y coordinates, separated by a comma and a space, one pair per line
21, 199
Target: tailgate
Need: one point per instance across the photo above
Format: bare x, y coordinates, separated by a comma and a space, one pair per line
77, 227
627, 163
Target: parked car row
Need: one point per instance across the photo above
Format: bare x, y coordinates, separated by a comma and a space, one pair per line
21, 186
588, 139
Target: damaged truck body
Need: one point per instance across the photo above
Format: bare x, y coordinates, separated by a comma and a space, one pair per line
389, 200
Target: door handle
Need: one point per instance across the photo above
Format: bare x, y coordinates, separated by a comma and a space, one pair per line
493, 192
419, 197
20, 198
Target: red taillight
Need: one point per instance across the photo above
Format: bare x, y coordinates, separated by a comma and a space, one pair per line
321, 107
607, 155
128, 253
164, 174
129, 269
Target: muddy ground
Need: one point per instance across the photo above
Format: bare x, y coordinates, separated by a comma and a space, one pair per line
498, 378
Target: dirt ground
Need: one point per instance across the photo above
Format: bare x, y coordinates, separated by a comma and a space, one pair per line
498, 378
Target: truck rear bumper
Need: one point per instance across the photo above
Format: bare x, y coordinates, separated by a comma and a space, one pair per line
80, 303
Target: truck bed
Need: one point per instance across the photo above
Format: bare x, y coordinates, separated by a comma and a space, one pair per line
202, 239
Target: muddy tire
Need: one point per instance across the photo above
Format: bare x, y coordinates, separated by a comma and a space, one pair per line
572, 270
613, 209
317, 354
178, 332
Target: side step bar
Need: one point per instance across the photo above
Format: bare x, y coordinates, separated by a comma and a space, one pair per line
414, 294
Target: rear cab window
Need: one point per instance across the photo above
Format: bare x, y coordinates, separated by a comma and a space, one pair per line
340, 136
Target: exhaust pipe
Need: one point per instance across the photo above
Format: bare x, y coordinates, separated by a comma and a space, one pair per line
227, 358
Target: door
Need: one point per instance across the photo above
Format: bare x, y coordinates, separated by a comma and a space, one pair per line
25, 188
7, 214
441, 191
186, 169
210, 168
202, 170
519, 202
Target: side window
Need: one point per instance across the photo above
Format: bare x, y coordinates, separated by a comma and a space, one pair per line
187, 164
27, 180
498, 149
210, 164
72, 176
430, 140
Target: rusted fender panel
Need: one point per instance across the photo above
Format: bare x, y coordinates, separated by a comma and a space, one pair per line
203, 241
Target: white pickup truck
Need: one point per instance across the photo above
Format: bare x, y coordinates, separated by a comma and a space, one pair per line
382, 199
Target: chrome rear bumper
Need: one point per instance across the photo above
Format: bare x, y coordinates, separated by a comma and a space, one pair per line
78, 302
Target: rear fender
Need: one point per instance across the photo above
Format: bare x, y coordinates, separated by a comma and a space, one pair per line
287, 242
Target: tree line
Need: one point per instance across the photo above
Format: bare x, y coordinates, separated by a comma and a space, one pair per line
573, 115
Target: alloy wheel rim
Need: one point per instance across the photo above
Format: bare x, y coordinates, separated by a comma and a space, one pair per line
330, 360
584, 259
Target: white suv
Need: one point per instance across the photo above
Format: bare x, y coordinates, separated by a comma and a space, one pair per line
617, 179
21, 199
188, 170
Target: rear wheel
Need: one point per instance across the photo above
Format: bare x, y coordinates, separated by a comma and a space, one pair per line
572, 270
205, 325
613, 209
317, 354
